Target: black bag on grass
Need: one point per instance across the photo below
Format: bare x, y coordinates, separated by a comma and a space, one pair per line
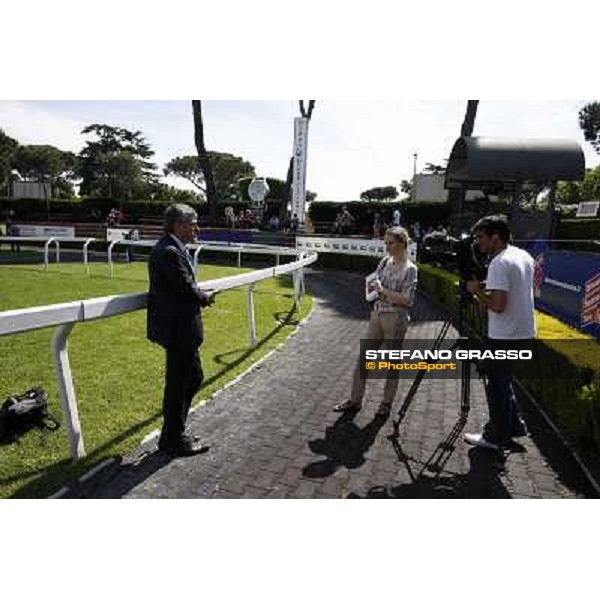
21, 413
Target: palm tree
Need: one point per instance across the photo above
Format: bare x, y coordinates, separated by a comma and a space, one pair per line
456, 197
211, 192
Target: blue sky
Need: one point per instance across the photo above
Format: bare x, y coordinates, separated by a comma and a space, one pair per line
353, 145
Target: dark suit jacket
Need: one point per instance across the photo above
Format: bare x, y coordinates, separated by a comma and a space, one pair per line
173, 318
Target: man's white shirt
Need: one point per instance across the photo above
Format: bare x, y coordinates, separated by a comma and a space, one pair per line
183, 248
511, 271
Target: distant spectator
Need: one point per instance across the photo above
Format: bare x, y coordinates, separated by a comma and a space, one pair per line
396, 218
244, 219
417, 231
120, 217
134, 236
308, 226
337, 224
442, 229
96, 214
274, 223
344, 222
230, 219
377, 225
112, 218
294, 223
13, 230
3, 232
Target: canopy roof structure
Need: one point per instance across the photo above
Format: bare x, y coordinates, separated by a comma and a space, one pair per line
495, 164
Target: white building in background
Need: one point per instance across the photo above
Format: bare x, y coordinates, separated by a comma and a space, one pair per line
30, 189
429, 187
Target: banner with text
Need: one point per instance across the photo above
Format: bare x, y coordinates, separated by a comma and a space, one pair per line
341, 245
45, 231
567, 286
299, 173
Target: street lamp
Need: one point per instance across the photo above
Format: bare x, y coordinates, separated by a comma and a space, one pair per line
414, 177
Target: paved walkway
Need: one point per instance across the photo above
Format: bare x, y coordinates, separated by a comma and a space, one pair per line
273, 434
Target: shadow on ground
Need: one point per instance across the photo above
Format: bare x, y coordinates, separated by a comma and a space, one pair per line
482, 481
344, 445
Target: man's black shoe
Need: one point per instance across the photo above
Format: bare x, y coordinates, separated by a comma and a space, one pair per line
186, 447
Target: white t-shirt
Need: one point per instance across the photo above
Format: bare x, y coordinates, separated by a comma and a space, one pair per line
512, 272
396, 218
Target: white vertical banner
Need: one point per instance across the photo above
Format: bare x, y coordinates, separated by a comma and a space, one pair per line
299, 179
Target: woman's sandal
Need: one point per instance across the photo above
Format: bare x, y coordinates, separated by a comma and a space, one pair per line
346, 407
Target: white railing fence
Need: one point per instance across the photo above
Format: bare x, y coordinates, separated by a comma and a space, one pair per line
238, 249
65, 316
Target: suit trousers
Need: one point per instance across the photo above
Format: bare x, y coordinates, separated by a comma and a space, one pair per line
383, 327
184, 377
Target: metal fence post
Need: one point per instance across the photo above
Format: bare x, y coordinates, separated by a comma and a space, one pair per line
251, 320
110, 260
66, 390
47, 251
196, 253
85, 254
239, 263
296, 281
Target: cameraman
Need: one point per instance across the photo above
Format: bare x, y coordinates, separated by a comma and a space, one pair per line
508, 297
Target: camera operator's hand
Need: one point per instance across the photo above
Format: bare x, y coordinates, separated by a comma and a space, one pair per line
473, 286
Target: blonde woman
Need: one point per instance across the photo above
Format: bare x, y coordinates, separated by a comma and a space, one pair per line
389, 317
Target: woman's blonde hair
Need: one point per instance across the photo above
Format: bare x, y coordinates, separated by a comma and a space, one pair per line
400, 234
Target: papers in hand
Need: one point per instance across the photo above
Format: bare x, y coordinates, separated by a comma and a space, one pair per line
372, 287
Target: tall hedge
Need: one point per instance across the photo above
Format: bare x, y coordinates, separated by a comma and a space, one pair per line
81, 210
578, 229
572, 401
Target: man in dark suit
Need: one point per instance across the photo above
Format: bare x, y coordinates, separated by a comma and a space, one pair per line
174, 322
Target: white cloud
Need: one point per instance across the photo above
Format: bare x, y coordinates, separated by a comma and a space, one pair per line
31, 124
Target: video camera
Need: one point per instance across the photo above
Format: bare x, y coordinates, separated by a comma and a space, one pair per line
458, 254
470, 261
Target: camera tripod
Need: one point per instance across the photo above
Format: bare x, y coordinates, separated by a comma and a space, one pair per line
444, 450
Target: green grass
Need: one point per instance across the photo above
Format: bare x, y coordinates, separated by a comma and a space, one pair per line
7, 256
118, 375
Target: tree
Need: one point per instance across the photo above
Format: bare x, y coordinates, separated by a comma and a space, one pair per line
406, 187
44, 164
380, 193
456, 197
187, 167
568, 192
161, 192
227, 171
115, 152
204, 161
120, 175
7, 149
589, 121
468, 125
590, 186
